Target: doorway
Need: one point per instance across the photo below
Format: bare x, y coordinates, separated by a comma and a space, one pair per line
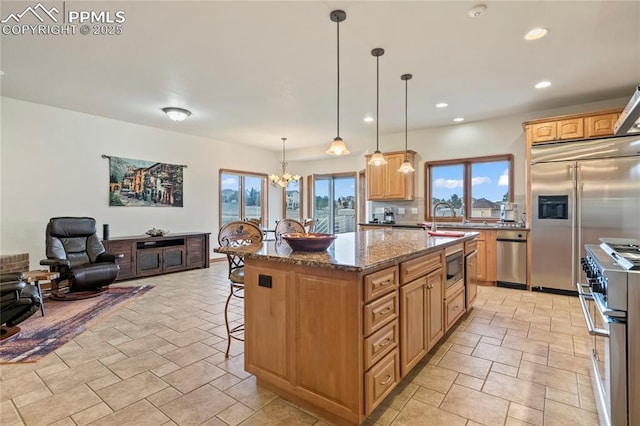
335, 203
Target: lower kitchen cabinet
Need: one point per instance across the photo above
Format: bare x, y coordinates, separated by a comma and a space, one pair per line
471, 278
453, 304
487, 258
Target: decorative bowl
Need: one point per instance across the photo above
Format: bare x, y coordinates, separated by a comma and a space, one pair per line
156, 232
311, 241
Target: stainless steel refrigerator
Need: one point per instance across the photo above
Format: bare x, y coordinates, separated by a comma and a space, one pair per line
581, 191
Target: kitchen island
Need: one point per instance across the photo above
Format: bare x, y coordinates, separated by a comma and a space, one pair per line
336, 331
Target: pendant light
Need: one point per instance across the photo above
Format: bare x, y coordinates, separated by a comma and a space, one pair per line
406, 166
284, 179
377, 159
338, 146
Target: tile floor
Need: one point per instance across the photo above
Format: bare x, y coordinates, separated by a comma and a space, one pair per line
517, 358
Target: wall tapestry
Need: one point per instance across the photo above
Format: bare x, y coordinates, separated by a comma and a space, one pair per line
144, 183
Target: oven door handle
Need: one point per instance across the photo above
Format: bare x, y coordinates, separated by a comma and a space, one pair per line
585, 311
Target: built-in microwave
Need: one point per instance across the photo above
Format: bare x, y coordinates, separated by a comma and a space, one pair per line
454, 268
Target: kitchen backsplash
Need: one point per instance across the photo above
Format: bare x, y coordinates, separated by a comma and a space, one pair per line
413, 211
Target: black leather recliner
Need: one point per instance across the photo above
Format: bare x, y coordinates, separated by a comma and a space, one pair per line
18, 301
75, 251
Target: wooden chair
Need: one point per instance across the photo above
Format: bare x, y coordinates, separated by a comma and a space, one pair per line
235, 234
285, 226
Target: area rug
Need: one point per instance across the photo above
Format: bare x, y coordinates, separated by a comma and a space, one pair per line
63, 320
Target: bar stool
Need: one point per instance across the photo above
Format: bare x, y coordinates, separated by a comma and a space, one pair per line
235, 234
286, 226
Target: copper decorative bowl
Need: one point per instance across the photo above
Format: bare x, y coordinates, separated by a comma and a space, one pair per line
311, 241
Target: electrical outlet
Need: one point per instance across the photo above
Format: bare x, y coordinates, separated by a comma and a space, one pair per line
400, 210
414, 210
264, 280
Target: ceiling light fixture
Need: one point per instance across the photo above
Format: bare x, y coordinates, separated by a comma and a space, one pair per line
458, 119
177, 114
284, 179
536, 34
477, 10
542, 84
377, 159
442, 105
406, 166
338, 146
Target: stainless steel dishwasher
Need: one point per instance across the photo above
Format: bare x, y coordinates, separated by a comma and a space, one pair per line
512, 258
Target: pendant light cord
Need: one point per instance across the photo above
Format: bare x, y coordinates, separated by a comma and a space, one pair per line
406, 95
377, 100
338, 85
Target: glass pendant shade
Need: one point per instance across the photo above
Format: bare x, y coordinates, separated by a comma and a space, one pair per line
338, 147
377, 159
286, 177
406, 167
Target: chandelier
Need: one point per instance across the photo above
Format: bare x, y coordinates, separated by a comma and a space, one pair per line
284, 179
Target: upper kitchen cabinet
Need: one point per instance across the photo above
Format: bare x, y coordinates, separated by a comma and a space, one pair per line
385, 182
577, 126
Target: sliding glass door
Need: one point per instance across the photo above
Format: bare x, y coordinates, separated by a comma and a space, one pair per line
334, 203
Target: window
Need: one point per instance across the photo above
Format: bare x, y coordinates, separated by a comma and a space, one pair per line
475, 187
334, 203
243, 195
292, 201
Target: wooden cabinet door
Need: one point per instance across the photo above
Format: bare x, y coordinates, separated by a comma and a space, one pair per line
149, 261
173, 258
544, 132
413, 324
471, 279
195, 251
397, 181
376, 182
571, 129
127, 263
600, 125
481, 261
435, 296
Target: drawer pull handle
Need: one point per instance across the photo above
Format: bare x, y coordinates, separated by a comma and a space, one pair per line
385, 342
386, 380
383, 283
456, 307
385, 311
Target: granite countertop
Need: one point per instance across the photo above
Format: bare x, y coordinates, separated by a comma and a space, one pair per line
354, 251
449, 225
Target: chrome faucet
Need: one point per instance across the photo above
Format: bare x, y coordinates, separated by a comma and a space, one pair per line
434, 227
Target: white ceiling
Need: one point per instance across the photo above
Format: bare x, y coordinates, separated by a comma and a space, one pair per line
253, 72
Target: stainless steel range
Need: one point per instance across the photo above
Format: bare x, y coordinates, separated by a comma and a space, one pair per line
611, 306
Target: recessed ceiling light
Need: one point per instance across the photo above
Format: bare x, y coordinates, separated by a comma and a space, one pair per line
542, 84
458, 119
442, 105
536, 33
368, 119
477, 10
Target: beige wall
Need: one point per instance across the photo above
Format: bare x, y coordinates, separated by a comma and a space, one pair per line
51, 165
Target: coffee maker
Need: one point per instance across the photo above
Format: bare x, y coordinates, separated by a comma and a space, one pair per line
509, 212
388, 216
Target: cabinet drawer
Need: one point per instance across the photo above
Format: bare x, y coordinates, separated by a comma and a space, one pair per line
415, 268
454, 308
380, 283
380, 380
469, 246
380, 343
380, 312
